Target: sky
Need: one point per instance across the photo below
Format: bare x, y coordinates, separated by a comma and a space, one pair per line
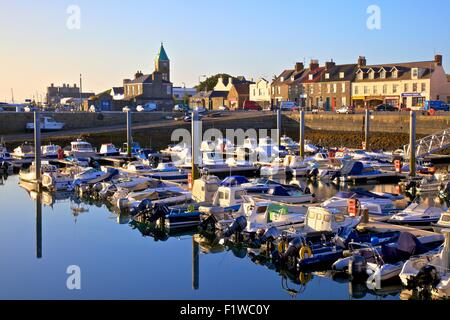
253, 38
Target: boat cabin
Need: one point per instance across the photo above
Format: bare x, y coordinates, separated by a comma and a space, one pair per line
321, 219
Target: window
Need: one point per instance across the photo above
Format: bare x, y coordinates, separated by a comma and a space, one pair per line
341, 75
310, 77
273, 90
356, 90
414, 87
372, 75
282, 79
395, 73
406, 87
360, 75
394, 88
418, 102
169, 90
334, 87
279, 90
343, 87
383, 74
339, 218
366, 89
328, 88
423, 87
327, 76
375, 90
344, 101
385, 89
415, 73
260, 92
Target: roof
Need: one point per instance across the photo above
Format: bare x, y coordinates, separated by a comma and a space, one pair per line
162, 55
97, 96
236, 80
218, 94
146, 78
118, 90
242, 88
404, 69
349, 71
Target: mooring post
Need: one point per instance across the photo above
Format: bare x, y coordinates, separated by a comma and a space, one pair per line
195, 145
412, 144
302, 134
129, 134
279, 115
367, 130
195, 264
37, 149
39, 225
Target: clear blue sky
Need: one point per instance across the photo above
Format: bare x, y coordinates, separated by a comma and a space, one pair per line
253, 38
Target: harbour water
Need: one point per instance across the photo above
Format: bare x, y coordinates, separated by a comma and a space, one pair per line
119, 261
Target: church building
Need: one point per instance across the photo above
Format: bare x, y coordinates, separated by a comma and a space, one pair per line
151, 88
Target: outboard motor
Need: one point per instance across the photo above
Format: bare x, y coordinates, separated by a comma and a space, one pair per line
145, 205
427, 277
313, 174
270, 235
153, 161
239, 225
357, 267
293, 248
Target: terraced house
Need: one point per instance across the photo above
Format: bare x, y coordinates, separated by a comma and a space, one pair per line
406, 85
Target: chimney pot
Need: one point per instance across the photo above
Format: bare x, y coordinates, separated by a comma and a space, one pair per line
438, 59
362, 62
299, 66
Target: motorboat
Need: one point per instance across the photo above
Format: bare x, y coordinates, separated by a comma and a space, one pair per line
142, 199
289, 143
444, 221
135, 149
57, 180
50, 151
24, 151
168, 171
379, 263
80, 148
286, 194
89, 174
108, 150
361, 172
137, 168
417, 214
130, 184
29, 175
275, 168
257, 216
47, 124
431, 269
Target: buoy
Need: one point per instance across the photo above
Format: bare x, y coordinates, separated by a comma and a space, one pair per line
305, 252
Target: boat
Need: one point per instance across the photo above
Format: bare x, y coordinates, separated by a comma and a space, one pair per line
377, 264
289, 143
168, 171
80, 148
24, 151
57, 180
46, 124
135, 148
277, 167
430, 270
4, 154
89, 174
286, 194
50, 151
142, 199
418, 215
361, 172
29, 175
443, 223
108, 189
137, 168
108, 150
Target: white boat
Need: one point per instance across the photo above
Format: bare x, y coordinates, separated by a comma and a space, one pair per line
444, 221
286, 194
29, 175
275, 168
108, 149
24, 151
165, 195
417, 214
80, 148
433, 267
47, 124
289, 143
57, 180
137, 168
50, 151
88, 174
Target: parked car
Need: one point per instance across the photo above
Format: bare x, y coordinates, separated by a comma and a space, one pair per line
148, 107
345, 110
251, 105
386, 107
181, 107
436, 106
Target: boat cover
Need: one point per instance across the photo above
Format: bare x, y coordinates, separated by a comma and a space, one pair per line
234, 181
406, 246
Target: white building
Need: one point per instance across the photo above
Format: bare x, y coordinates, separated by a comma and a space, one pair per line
260, 92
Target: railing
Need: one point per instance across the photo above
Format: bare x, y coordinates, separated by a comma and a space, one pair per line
431, 144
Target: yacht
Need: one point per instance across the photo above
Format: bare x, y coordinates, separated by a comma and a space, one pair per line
417, 214
47, 124
80, 148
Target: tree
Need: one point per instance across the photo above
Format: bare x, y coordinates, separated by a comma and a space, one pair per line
211, 82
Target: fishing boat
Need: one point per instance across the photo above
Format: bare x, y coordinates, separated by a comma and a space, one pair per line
80, 148
29, 175
24, 151
108, 150
418, 215
50, 151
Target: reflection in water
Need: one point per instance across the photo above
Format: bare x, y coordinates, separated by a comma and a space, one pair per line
195, 264
39, 225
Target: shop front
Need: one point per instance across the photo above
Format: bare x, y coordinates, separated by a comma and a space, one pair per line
413, 100
393, 101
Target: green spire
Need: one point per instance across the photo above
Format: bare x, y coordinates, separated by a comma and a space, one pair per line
162, 55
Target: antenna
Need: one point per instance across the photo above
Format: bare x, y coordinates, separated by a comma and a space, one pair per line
12, 95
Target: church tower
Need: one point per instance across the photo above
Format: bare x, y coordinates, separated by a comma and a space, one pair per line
162, 64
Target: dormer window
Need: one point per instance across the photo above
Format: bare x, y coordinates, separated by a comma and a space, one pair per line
292, 78
415, 73
327, 76
383, 74
372, 74
281, 79
341, 75
395, 73
360, 75
311, 77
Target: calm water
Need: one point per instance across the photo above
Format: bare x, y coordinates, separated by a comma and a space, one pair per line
118, 262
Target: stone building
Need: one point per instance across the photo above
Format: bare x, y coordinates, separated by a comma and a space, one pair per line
154, 88
56, 94
260, 92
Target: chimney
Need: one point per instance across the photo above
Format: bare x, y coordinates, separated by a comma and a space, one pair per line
362, 62
138, 74
438, 59
75, 85
299, 66
52, 85
330, 64
314, 64
230, 80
